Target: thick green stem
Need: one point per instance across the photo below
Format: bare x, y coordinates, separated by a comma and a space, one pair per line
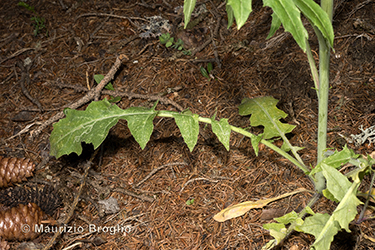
324, 55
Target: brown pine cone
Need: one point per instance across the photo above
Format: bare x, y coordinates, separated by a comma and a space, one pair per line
4, 245
18, 223
13, 170
47, 197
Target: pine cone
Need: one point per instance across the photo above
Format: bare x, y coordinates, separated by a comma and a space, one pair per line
4, 245
18, 223
14, 170
47, 198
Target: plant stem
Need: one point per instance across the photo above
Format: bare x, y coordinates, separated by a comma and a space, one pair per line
163, 113
313, 69
360, 218
273, 147
324, 55
323, 100
301, 214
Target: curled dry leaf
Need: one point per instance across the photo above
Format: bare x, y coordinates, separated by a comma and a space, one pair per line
241, 208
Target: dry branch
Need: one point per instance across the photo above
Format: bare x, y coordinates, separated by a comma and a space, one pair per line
93, 94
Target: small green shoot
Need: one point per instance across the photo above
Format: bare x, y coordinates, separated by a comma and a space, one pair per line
28, 7
179, 45
186, 52
109, 86
38, 22
169, 42
190, 202
206, 73
38, 25
166, 39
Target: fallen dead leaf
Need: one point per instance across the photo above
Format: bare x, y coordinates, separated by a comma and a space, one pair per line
241, 208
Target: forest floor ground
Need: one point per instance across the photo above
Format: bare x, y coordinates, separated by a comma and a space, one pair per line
173, 207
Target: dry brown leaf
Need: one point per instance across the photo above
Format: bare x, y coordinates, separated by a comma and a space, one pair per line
241, 208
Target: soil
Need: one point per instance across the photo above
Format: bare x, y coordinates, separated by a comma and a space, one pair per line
172, 208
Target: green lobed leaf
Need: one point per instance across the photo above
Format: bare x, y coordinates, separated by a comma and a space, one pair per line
290, 17
321, 225
337, 183
291, 218
241, 10
115, 99
264, 112
318, 17
222, 130
169, 43
98, 78
189, 6
230, 14
336, 160
163, 38
287, 218
277, 230
141, 125
189, 127
270, 245
329, 196
275, 25
179, 42
363, 168
325, 227
92, 126
347, 209
309, 210
344, 213
255, 142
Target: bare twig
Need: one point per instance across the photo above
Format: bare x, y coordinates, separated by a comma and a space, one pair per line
112, 15
167, 4
358, 7
138, 196
145, 47
24, 130
200, 48
8, 77
216, 54
75, 202
93, 94
196, 179
129, 95
19, 52
94, 32
153, 6
157, 169
25, 78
